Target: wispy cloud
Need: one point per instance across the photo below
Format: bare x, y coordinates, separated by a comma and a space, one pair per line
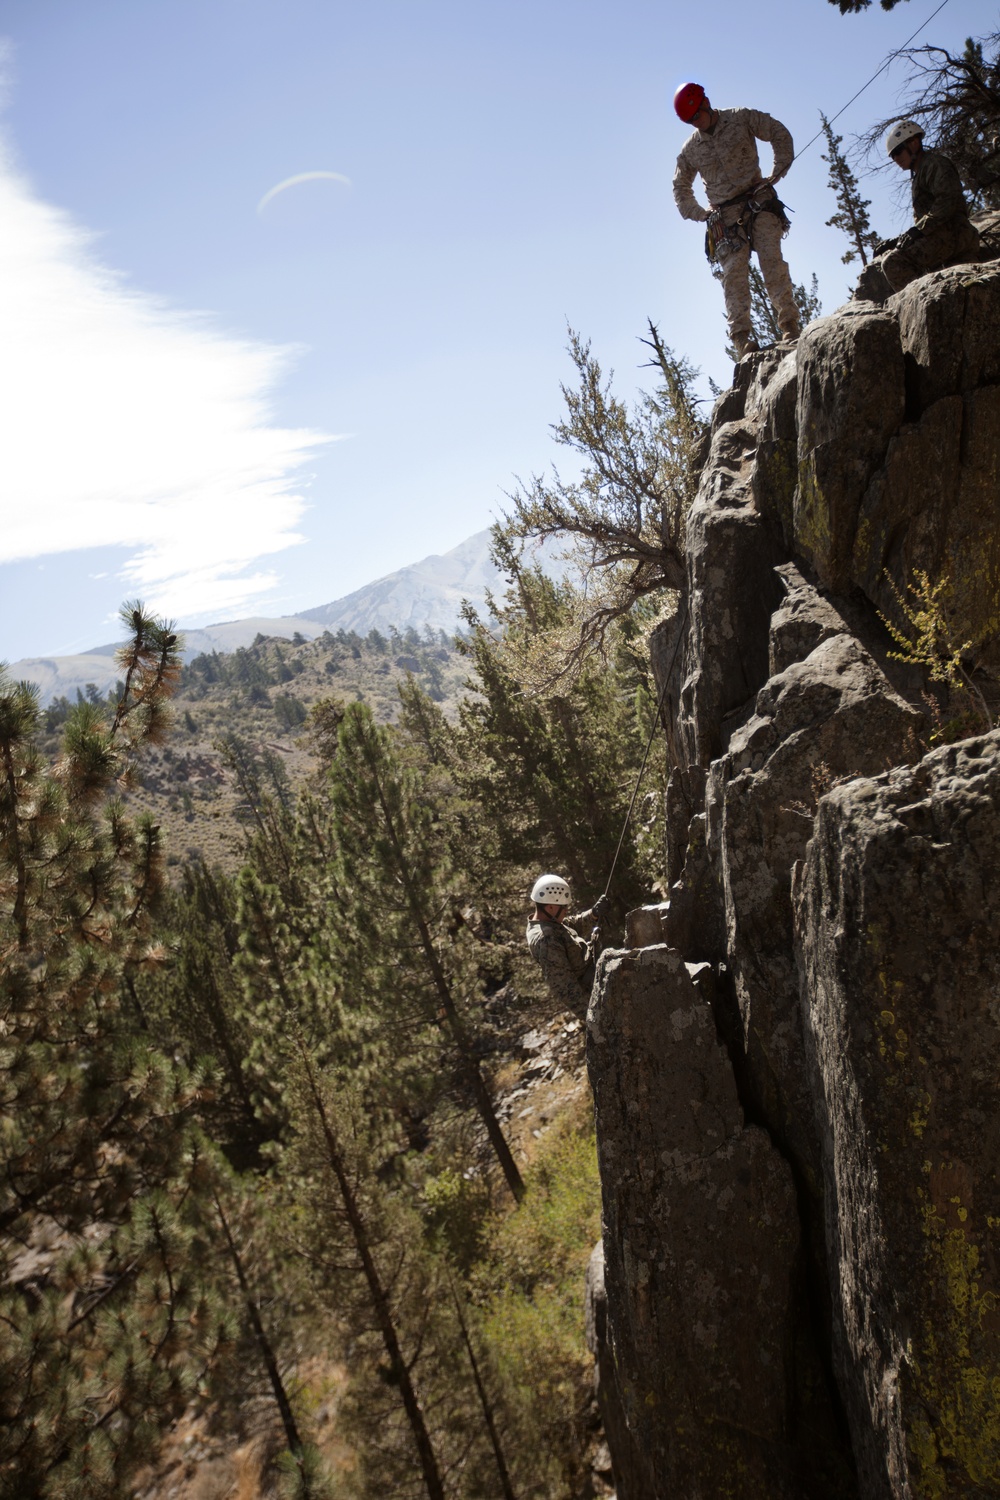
129, 423
299, 177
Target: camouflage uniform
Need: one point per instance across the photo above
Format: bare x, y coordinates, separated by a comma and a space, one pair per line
941, 216
565, 957
725, 157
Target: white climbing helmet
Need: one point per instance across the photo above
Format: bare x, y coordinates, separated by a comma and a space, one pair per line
551, 890
904, 131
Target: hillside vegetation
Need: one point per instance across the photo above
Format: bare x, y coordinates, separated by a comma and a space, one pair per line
299, 1182
262, 695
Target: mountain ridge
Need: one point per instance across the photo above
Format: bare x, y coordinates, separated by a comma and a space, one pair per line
424, 595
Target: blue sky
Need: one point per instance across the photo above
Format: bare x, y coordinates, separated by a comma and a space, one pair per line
233, 412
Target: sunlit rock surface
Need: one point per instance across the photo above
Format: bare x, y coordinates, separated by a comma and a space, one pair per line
797, 1092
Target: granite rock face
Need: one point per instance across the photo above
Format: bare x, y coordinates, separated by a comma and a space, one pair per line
899, 946
832, 715
815, 1042
701, 1239
732, 591
899, 445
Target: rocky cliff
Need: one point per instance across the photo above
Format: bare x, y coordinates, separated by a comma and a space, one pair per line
798, 1090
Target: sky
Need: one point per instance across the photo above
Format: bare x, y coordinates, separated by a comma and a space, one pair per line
228, 400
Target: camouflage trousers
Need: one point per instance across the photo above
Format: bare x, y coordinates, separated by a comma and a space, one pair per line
952, 244
734, 263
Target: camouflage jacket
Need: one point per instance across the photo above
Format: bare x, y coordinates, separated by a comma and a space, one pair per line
937, 192
565, 957
725, 157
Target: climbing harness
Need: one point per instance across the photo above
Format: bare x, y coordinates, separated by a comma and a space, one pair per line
722, 239
649, 742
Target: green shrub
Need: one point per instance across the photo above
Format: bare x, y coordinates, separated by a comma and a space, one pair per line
530, 1290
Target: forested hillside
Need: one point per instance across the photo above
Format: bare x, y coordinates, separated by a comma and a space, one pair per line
257, 700
298, 1180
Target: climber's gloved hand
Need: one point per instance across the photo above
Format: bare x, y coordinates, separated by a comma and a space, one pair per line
601, 907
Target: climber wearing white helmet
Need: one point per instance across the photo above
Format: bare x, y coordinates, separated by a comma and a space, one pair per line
556, 940
942, 233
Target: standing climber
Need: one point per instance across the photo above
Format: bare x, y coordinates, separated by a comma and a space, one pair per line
557, 943
942, 233
744, 213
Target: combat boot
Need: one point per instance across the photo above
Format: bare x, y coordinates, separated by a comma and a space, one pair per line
745, 343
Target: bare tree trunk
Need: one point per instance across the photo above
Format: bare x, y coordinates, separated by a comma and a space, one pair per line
470, 1066
380, 1300
484, 1400
263, 1342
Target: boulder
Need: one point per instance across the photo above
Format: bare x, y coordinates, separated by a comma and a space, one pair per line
898, 943
701, 1236
644, 925
932, 507
898, 434
803, 620
949, 326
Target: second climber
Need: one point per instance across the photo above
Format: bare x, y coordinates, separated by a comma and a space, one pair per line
556, 941
942, 233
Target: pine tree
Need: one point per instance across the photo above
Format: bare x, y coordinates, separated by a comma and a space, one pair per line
265, 801
852, 210
395, 869
264, 1288
552, 766
852, 7
105, 1315
194, 1003
352, 1196
623, 519
341, 1081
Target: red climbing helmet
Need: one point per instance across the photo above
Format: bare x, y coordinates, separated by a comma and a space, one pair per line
688, 100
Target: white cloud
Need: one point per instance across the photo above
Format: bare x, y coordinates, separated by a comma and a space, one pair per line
128, 423
299, 177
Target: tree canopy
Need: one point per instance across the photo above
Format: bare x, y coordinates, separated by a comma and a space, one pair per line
851, 7
956, 98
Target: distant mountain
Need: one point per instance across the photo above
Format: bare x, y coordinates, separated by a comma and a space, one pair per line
427, 593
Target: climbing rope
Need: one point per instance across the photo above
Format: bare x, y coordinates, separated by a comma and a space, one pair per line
888, 62
649, 742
